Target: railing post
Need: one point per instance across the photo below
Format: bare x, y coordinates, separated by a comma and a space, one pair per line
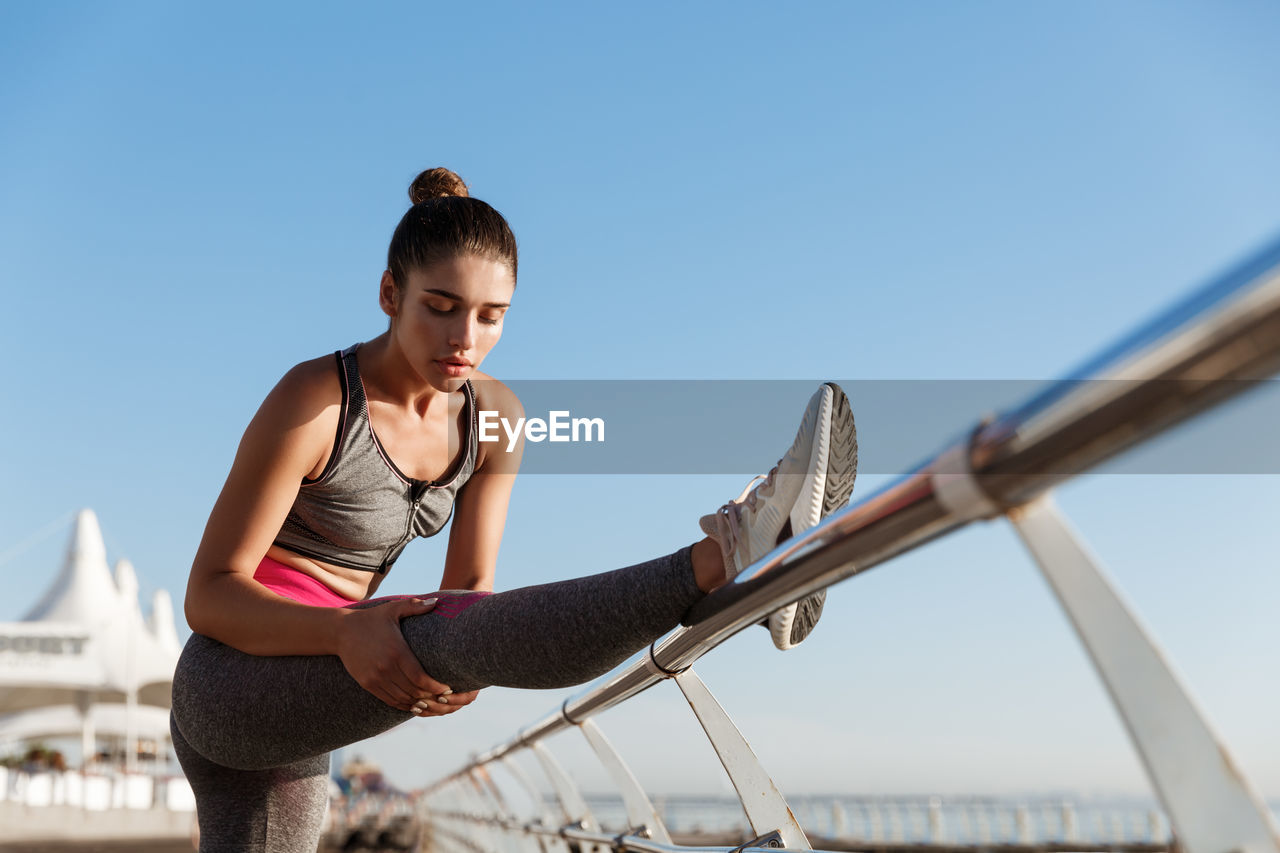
641, 814
1155, 827
937, 824
479, 833
464, 807
1210, 803
1070, 825
1022, 824
489, 809
517, 839
571, 802
763, 803
984, 828
839, 821
543, 817
897, 832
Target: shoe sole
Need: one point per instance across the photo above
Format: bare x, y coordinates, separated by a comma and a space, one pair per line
833, 464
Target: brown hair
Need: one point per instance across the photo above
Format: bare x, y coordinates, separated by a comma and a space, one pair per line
446, 222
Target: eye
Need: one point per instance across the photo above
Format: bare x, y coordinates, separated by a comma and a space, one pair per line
440, 309
491, 320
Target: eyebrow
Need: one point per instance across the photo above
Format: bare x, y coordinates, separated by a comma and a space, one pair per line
456, 298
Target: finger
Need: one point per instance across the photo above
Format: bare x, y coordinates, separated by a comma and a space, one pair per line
377, 683
414, 678
459, 700
395, 700
433, 708
403, 610
446, 703
421, 684
391, 686
395, 695
436, 706
415, 607
425, 685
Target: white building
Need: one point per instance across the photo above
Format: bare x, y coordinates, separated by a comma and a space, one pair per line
84, 660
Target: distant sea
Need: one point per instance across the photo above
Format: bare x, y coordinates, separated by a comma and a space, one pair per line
954, 819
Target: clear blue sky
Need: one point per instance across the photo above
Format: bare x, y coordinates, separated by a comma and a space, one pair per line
196, 197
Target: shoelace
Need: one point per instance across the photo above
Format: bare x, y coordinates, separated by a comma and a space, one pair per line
729, 516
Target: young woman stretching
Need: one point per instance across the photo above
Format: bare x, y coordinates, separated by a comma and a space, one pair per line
352, 456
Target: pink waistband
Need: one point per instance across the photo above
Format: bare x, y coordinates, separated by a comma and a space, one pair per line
300, 586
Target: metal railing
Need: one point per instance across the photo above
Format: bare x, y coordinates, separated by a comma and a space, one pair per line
1210, 348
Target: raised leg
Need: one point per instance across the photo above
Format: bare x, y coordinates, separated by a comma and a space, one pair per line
251, 713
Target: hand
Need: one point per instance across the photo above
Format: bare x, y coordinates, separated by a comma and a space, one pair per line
375, 653
443, 704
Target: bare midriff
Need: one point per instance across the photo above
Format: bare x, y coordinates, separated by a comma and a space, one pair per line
351, 584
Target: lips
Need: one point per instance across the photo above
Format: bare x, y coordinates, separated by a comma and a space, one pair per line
453, 366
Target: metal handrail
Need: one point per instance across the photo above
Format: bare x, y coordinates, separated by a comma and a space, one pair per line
1221, 341
629, 842
1211, 347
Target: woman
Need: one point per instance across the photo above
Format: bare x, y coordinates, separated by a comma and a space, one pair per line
349, 458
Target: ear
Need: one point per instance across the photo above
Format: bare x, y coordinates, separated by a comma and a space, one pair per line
388, 294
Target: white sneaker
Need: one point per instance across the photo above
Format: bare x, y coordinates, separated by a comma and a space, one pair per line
813, 480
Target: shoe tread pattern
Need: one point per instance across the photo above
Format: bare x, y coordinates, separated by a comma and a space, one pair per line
842, 459
842, 470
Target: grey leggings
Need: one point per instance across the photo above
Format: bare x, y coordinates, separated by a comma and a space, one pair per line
253, 734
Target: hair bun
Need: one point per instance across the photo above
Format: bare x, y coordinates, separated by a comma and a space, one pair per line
436, 183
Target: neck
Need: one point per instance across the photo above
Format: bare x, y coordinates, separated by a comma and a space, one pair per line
384, 367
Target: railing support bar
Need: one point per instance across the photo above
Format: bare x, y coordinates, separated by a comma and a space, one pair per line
489, 807
1211, 805
489, 787
763, 803
571, 801
640, 811
540, 807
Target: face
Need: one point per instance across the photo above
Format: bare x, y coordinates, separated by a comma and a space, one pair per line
448, 316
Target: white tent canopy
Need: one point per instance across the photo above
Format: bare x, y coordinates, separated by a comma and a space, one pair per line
86, 641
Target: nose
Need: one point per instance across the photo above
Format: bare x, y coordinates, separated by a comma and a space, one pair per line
462, 333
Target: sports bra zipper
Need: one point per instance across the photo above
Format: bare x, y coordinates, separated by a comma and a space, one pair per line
416, 495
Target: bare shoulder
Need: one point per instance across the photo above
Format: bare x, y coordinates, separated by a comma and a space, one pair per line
313, 380
310, 389
496, 403
493, 395
302, 411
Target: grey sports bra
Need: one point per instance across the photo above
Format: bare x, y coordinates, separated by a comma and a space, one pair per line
361, 511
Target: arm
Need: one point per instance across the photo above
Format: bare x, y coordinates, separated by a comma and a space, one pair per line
289, 437
480, 510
